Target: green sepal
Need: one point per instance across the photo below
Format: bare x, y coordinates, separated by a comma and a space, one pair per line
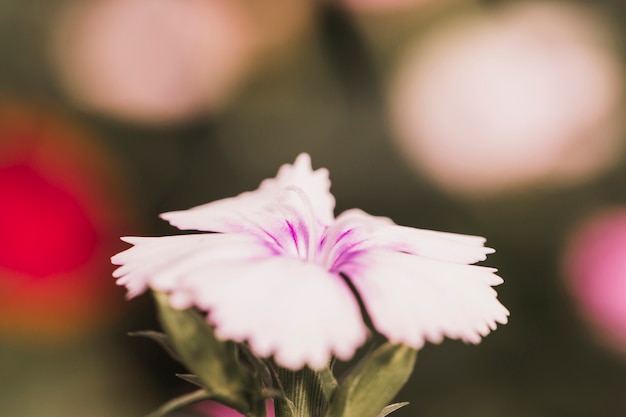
328, 383
161, 338
214, 362
391, 408
192, 379
374, 382
179, 402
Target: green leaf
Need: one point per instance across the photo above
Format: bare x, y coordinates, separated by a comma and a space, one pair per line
180, 402
374, 382
161, 338
214, 362
391, 408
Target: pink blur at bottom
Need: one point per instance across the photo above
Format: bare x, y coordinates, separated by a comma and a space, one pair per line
215, 409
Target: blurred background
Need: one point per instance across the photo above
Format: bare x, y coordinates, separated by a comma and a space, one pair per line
496, 118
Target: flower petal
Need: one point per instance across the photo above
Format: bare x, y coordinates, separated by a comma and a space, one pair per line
411, 299
367, 231
161, 262
450, 247
315, 184
258, 209
281, 306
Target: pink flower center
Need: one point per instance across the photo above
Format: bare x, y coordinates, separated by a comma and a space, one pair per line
302, 236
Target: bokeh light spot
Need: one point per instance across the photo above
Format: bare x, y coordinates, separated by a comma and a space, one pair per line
522, 96
62, 210
594, 265
45, 231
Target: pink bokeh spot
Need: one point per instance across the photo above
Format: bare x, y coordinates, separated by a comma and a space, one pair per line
45, 230
595, 272
62, 207
522, 96
152, 61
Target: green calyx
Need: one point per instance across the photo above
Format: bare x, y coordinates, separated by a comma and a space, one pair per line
228, 373
215, 365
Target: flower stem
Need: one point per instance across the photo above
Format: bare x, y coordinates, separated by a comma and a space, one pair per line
306, 392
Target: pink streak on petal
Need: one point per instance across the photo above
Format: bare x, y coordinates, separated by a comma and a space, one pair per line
356, 230
349, 233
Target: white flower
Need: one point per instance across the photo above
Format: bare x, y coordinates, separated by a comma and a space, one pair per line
273, 273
